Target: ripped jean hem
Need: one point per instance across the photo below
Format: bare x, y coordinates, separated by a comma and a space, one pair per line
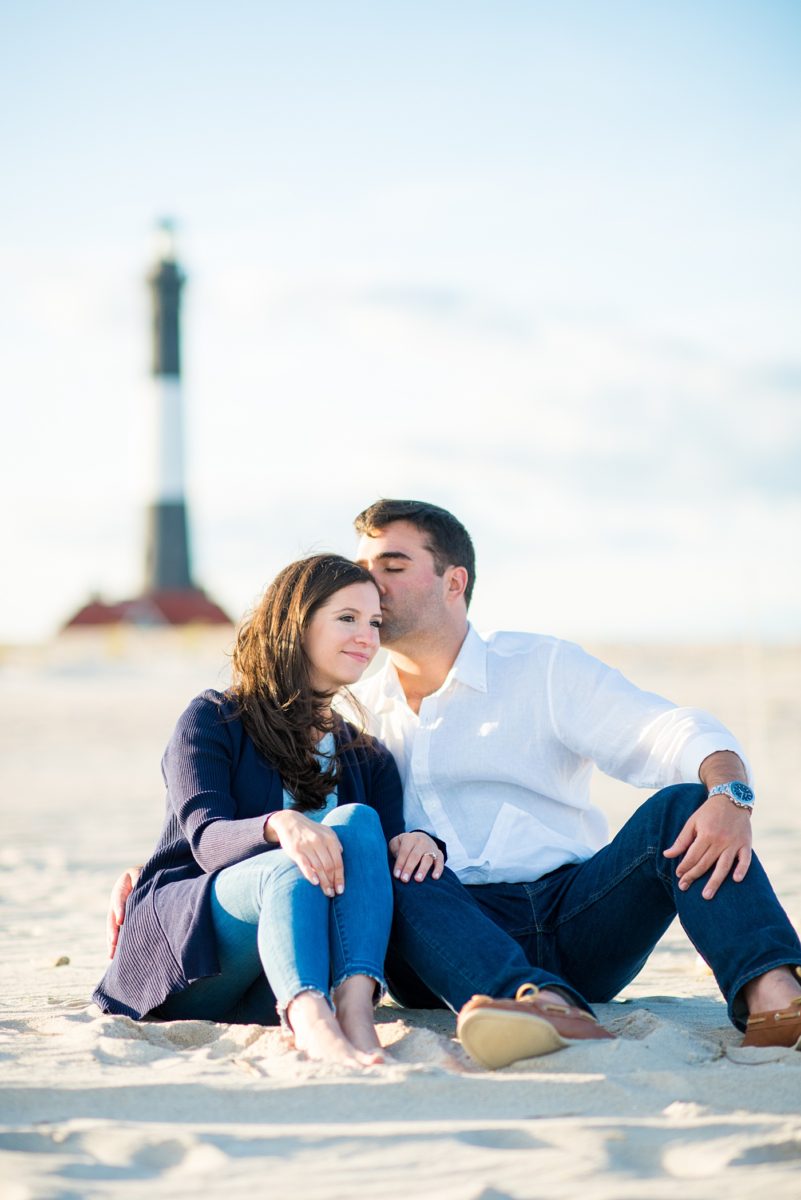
282, 1009
380, 990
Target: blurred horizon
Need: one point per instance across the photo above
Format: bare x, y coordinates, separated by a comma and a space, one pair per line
538, 264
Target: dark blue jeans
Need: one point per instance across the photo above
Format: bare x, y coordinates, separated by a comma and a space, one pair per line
587, 927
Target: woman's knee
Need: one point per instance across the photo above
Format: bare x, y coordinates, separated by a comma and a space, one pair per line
356, 823
284, 872
240, 889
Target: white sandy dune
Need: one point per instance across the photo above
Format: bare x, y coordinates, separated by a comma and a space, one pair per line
94, 1106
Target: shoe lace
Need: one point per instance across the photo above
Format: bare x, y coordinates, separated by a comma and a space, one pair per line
527, 991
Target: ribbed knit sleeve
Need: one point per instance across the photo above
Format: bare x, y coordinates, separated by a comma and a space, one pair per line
197, 767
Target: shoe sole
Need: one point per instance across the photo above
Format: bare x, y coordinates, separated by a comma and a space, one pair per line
495, 1038
772, 1045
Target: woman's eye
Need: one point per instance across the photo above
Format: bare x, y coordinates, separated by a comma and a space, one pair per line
376, 624
346, 617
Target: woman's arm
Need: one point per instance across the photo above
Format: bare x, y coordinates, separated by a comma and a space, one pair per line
198, 768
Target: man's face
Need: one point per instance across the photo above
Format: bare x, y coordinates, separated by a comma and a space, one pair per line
412, 593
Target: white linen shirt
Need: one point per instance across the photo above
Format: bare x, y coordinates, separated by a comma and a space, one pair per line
499, 759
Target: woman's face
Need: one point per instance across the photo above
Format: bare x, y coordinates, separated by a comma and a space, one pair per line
342, 637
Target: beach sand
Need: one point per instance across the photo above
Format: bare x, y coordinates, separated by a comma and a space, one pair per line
94, 1106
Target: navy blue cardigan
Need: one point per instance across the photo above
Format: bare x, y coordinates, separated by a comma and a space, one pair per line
219, 789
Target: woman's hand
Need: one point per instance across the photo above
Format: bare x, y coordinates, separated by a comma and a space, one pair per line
313, 847
416, 854
123, 886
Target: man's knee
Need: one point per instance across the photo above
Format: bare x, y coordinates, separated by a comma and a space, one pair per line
434, 894
673, 806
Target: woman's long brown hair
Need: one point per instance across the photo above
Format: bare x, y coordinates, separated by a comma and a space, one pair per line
272, 687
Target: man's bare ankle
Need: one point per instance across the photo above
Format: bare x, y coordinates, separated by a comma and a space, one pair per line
557, 995
774, 990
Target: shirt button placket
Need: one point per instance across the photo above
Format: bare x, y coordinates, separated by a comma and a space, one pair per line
421, 774
420, 751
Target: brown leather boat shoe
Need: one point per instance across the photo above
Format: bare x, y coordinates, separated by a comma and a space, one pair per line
498, 1032
780, 1028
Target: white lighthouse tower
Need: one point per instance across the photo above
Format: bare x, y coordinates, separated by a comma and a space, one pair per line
167, 553
170, 596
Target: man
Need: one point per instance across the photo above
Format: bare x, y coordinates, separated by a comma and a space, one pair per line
496, 740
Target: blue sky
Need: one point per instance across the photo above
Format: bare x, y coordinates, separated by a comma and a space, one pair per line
536, 262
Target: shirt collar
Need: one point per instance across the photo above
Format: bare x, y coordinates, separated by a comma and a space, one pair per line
470, 666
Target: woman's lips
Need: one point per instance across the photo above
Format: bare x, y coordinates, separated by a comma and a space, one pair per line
362, 658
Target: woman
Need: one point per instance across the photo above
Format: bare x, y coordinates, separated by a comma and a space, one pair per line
271, 868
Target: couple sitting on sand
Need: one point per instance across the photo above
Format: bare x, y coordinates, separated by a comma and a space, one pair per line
270, 888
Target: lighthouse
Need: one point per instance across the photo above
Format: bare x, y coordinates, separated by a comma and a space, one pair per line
167, 549
170, 596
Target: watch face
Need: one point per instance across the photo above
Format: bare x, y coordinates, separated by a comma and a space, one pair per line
741, 792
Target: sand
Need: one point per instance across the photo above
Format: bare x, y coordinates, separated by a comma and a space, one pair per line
94, 1106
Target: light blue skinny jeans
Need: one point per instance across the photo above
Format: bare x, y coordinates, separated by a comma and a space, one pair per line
269, 921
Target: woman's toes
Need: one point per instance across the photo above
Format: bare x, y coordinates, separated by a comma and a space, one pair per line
371, 1058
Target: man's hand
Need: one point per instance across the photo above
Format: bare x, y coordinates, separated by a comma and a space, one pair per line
717, 835
313, 847
416, 854
117, 901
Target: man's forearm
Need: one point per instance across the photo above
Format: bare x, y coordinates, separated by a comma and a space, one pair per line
721, 767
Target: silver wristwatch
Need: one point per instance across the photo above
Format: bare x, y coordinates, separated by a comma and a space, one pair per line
739, 793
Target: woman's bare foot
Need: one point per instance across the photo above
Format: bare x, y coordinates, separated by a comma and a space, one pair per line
318, 1034
354, 1004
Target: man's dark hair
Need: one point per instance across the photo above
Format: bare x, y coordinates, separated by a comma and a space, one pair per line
447, 538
